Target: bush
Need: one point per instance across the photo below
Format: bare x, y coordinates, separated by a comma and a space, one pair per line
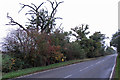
11, 63
74, 51
6, 63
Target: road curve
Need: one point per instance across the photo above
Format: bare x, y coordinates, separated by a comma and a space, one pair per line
98, 68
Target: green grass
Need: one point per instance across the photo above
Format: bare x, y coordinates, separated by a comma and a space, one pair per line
117, 68
38, 69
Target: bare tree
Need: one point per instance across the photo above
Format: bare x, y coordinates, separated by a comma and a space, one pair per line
41, 19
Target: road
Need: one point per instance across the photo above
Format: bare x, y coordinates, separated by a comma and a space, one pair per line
98, 68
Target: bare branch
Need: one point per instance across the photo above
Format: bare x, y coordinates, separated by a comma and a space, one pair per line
31, 12
34, 5
12, 22
43, 20
39, 6
54, 8
27, 6
58, 18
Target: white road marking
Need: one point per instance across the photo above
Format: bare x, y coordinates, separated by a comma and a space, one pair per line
91, 65
85, 68
74, 64
98, 62
47, 70
68, 76
113, 69
60, 68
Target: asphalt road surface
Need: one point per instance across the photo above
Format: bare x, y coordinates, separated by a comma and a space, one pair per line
98, 68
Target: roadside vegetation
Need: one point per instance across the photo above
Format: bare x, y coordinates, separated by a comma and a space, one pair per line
116, 43
27, 71
40, 43
117, 68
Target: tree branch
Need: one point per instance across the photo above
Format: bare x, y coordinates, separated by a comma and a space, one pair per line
27, 6
12, 22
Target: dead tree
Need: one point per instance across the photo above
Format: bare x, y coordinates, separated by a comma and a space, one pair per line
41, 19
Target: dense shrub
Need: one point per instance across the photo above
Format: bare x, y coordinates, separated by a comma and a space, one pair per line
11, 63
6, 63
74, 51
32, 50
41, 49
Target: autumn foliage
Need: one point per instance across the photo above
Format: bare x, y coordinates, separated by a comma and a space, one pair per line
40, 43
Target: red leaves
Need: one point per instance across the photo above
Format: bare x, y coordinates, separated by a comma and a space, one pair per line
54, 48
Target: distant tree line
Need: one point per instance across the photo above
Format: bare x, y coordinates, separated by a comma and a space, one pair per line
40, 43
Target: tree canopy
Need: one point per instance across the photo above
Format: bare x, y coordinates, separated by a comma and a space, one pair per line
42, 20
116, 41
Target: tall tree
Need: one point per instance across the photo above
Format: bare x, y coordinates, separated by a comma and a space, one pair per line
80, 32
32, 40
116, 41
41, 20
98, 43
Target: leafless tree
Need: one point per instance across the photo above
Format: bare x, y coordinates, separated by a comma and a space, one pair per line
41, 19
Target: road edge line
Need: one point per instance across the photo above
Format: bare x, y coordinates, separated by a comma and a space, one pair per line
113, 69
68, 76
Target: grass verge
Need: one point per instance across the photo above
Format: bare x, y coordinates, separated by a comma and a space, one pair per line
117, 68
38, 69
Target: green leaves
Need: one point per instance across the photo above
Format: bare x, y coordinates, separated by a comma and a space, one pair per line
97, 36
74, 51
116, 41
80, 32
93, 46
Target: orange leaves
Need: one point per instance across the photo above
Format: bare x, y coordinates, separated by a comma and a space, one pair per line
12, 63
55, 53
54, 48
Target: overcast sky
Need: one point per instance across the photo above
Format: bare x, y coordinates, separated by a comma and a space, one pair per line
100, 15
